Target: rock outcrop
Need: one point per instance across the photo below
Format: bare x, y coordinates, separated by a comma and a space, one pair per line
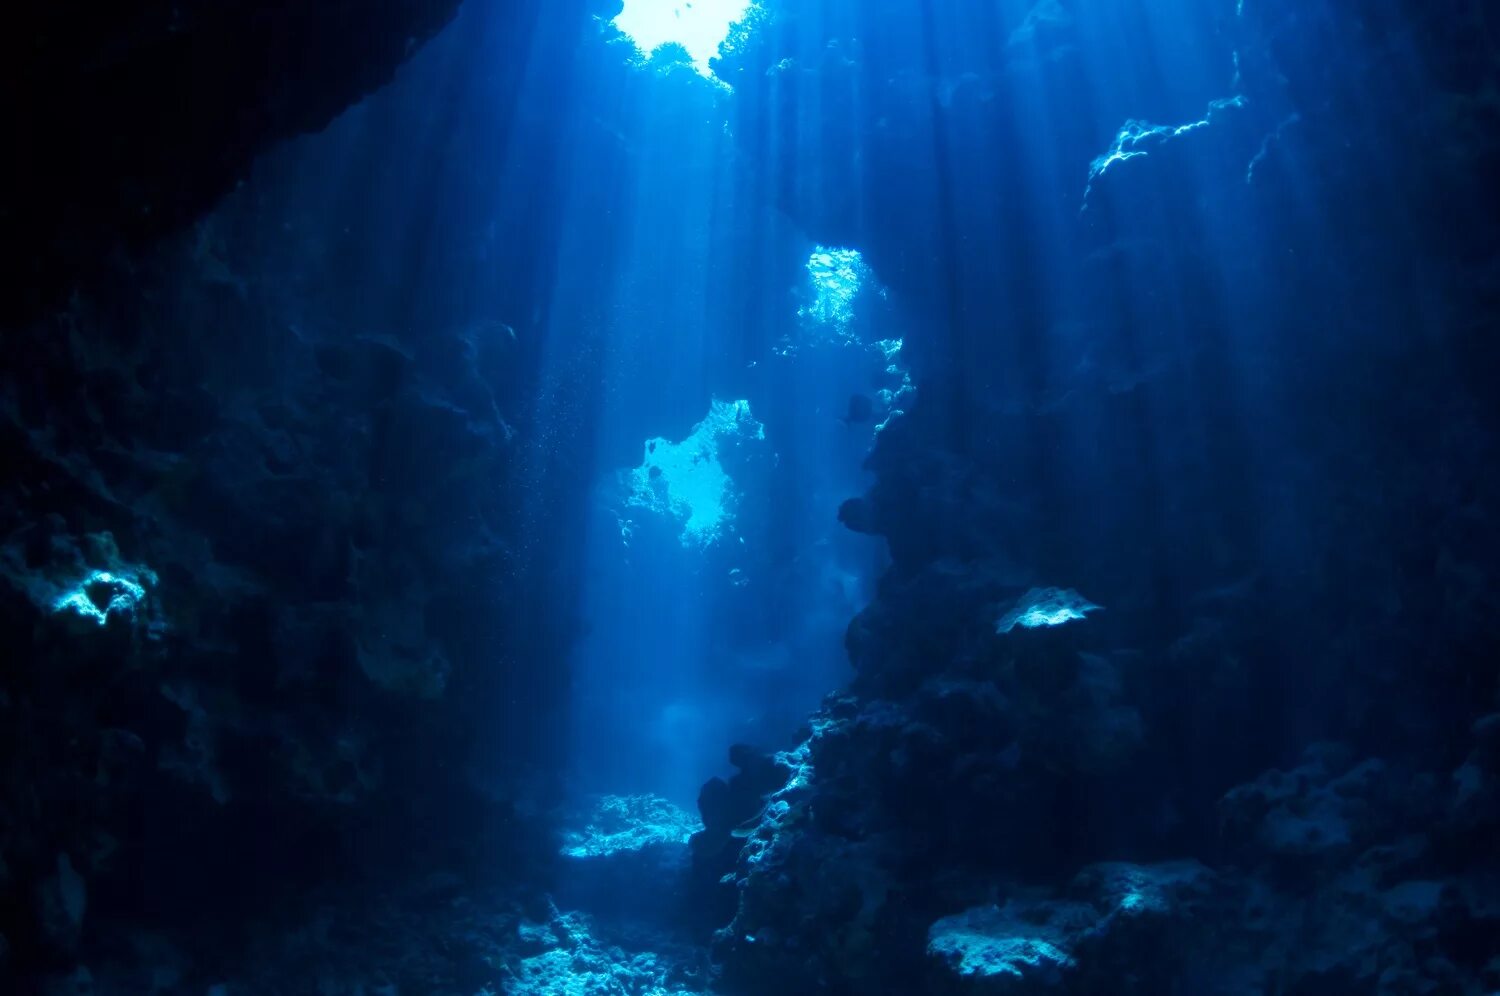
1176, 440
128, 125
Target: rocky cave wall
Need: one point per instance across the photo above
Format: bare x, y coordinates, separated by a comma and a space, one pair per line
281, 481
1271, 458
128, 123
293, 506
1314, 394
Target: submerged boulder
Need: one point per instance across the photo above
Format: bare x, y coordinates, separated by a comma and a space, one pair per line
1117, 922
564, 955
631, 823
627, 860
997, 949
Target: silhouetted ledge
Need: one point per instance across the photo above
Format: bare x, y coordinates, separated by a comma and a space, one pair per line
127, 120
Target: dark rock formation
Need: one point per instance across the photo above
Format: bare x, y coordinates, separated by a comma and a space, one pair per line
1339, 875
257, 558
128, 122
1291, 559
232, 627
727, 806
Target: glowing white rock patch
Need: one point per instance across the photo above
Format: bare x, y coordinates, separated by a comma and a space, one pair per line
630, 823
1137, 139
1043, 607
699, 26
103, 594
687, 481
901, 390
994, 943
838, 276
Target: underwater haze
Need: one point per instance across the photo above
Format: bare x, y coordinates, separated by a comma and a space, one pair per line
751, 498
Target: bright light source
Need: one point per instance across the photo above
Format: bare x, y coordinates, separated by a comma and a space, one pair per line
838, 276
700, 26
686, 480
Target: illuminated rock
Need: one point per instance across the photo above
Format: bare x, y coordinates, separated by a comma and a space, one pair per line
996, 944
1044, 607
687, 481
1136, 139
105, 593
630, 823
838, 276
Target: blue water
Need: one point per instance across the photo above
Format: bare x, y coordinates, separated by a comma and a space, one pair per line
1088, 215
930, 496
663, 286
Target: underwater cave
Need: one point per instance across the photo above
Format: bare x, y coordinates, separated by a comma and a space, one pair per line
750, 498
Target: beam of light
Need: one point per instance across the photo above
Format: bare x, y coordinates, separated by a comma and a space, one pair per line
699, 26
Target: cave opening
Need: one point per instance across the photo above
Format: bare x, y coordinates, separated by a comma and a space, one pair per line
698, 27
